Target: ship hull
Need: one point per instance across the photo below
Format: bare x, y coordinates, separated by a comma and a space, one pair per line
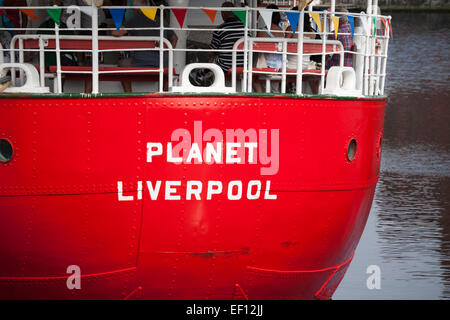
78, 192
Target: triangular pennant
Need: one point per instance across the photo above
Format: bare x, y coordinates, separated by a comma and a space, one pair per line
316, 17
180, 14
150, 13
242, 15
117, 16
211, 14
390, 27
351, 21
87, 10
335, 21
303, 4
385, 26
267, 17
6, 19
364, 25
55, 14
374, 26
293, 20
314, 25
30, 14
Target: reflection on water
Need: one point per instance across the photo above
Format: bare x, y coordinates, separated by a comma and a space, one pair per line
408, 232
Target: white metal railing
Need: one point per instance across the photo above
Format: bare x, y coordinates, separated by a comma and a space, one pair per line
369, 58
43, 42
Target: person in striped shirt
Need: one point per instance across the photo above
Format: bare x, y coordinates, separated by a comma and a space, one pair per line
224, 38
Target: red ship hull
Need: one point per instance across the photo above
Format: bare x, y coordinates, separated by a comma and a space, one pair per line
59, 198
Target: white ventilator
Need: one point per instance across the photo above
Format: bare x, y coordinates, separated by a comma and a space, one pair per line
218, 85
341, 81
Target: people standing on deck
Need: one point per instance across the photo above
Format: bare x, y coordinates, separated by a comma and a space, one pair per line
307, 63
224, 38
345, 37
270, 60
144, 58
309, 34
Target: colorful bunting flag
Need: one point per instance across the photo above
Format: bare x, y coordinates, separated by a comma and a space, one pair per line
150, 13
390, 27
316, 17
293, 20
303, 4
180, 14
30, 14
97, 3
267, 17
335, 21
385, 26
364, 25
242, 15
211, 14
374, 26
55, 14
117, 15
351, 21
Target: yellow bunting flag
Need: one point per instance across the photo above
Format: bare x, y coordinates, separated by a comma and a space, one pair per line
316, 17
302, 4
150, 13
336, 25
211, 14
30, 13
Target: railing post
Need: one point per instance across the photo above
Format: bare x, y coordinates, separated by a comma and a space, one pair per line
95, 86
324, 50
161, 47
245, 70
58, 60
383, 78
373, 75
41, 61
254, 5
21, 60
300, 53
368, 49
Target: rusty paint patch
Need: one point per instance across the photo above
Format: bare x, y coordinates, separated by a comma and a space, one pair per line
287, 244
212, 253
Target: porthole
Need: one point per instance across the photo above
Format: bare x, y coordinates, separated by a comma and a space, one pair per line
351, 150
6, 150
379, 146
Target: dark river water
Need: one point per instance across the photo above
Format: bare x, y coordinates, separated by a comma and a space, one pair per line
408, 232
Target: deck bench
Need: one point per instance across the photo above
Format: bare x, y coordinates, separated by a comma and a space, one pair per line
83, 43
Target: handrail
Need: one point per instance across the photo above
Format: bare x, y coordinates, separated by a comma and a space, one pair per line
284, 51
45, 37
371, 54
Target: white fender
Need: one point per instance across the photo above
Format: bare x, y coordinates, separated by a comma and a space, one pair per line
218, 85
341, 81
32, 84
